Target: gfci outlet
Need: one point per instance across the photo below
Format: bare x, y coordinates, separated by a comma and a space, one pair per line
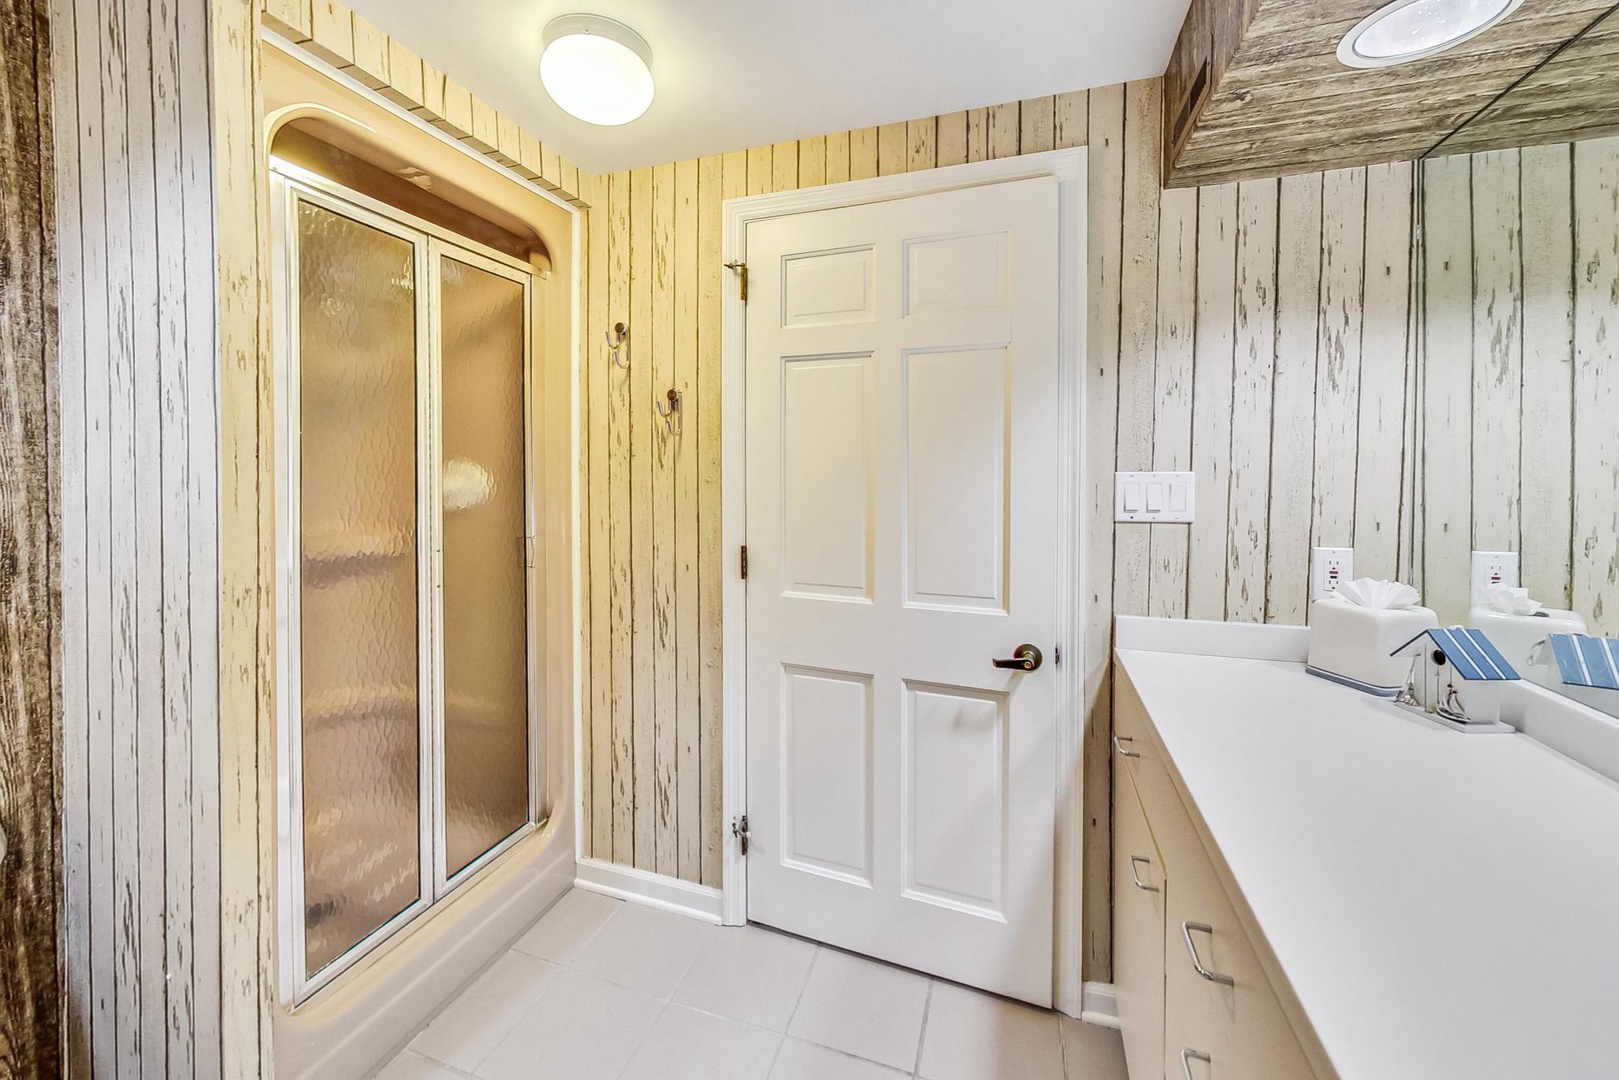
1330, 569
1494, 568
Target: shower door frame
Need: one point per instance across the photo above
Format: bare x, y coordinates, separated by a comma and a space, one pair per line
290, 185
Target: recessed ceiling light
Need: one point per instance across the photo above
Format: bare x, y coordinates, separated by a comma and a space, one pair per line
1409, 30
596, 69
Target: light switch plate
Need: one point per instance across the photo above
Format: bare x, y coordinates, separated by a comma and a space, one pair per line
1154, 496
1330, 568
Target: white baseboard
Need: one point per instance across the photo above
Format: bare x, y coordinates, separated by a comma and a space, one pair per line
653, 890
1099, 1005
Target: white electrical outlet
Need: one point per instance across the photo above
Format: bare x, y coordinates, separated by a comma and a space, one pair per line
1494, 568
1330, 569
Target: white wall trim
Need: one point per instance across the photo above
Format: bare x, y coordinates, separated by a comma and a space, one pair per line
1100, 1005
644, 887
1070, 168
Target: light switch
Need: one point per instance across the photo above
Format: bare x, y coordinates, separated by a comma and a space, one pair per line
1154, 496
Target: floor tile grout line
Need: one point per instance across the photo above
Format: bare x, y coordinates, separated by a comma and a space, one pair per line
686, 971
639, 1043
533, 1007
579, 945
781, 1043
815, 958
922, 1033
539, 1000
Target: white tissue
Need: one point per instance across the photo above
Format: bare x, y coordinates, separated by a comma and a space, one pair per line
1378, 595
1508, 601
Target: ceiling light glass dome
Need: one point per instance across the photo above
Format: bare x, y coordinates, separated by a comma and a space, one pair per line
597, 69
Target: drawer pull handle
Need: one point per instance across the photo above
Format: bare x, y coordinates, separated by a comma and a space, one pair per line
1191, 948
1187, 1057
1118, 744
1135, 877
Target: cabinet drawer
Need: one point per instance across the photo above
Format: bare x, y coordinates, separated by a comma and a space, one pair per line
1136, 748
1223, 1022
1138, 933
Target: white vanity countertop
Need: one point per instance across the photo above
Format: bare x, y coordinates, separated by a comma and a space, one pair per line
1443, 905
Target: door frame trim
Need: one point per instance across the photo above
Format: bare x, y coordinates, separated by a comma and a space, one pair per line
1070, 168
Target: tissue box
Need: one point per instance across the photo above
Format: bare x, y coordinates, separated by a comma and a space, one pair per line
1517, 635
1351, 644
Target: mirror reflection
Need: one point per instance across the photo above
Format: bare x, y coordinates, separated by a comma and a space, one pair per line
1519, 337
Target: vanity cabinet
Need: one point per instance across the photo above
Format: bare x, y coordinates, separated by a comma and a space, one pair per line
1138, 931
1194, 998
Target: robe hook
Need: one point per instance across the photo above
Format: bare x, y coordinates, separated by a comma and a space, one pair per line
615, 344
673, 418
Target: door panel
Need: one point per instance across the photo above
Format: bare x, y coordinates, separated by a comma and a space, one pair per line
484, 506
956, 273
826, 288
826, 775
826, 477
358, 678
901, 534
954, 784
955, 478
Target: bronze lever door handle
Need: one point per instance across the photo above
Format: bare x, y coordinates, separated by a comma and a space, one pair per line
1024, 658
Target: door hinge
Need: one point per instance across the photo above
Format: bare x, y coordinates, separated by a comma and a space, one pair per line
739, 829
744, 562
741, 269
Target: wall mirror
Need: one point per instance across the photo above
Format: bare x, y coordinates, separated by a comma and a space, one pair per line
1518, 290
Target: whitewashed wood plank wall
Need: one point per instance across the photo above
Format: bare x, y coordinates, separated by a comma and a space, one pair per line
140, 583
1261, 334
1520, 363
1256, 333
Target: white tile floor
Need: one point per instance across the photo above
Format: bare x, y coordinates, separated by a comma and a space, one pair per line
603, 989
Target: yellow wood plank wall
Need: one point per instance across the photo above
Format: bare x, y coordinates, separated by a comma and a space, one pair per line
1521, 373
1256, 333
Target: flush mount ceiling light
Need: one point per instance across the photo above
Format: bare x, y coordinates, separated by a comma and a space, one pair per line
1409, 30
596, 69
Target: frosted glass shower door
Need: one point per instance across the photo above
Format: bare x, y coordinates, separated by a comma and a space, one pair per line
408, 744
483, 332
359, 657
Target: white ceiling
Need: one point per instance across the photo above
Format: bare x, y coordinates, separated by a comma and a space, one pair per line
738, 73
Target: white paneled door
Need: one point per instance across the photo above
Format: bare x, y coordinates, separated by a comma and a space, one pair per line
902, 532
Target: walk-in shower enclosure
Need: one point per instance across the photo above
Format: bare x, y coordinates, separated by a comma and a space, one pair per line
410, 755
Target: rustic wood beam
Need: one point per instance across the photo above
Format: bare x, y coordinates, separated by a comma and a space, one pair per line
30, 649
1255, 88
